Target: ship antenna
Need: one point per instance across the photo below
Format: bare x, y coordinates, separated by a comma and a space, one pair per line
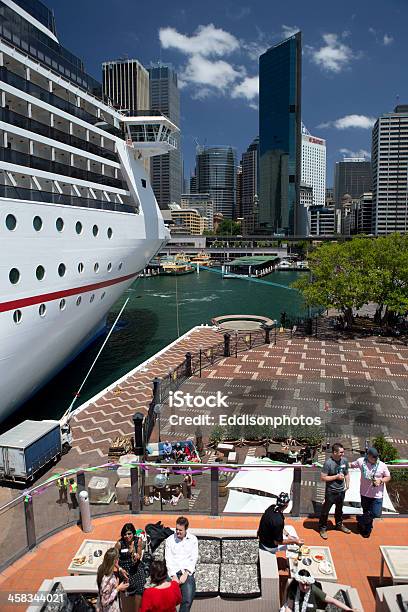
66, 415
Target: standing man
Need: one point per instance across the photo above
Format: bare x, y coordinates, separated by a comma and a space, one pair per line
181, 558
335, 474
272, 533
62, 485
73, 488
374, 474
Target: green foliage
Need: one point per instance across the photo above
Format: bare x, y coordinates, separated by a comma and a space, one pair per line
228, 227
217, 434
399, 475
350, 274
387, 451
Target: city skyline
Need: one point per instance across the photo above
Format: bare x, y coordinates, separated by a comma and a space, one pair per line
215, 51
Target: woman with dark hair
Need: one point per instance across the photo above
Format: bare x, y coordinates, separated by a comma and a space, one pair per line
164, 594
130, 553
107, 579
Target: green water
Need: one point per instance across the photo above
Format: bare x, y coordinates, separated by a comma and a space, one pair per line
149, 323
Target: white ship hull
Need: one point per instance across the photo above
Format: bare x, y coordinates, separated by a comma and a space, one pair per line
36, 348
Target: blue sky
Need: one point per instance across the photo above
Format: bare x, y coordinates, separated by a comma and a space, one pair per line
354, 60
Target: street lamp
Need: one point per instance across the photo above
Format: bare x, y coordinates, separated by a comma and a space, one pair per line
160, 481
157, 411
201, 354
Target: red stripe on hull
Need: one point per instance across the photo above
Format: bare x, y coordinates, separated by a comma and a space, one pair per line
48, 297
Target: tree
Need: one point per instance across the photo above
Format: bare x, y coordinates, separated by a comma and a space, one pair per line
386, 450
228, 227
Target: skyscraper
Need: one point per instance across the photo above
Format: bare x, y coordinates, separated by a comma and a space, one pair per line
166, 170
390, 172
352, 176
280, 135
126, 83
250, 177
216, 175
314, 166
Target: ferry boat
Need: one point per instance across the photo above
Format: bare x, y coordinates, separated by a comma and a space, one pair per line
202, 258
175, 268
78, 218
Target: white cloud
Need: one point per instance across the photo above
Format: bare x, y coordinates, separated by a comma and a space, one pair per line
217, 74
288, 31
350, 121
360, 153
387, 40
248, 89
206, 41
333, 55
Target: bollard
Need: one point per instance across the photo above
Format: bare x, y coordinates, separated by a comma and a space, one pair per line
85, 512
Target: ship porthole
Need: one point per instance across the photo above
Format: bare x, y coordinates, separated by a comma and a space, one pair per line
79, 300
59, 224
14, 276
96, 268
40, 272
120, 266
62, 304
110, 233
78, 227
109, 266
80, 267
17, 315
11, 222
62, 269
42, 310
37, 223
92, 298
95, 230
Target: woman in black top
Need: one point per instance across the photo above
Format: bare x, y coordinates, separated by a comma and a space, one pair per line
130, 554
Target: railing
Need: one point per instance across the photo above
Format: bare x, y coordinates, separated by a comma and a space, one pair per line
18, 120
36, 514
21, 193
40, 163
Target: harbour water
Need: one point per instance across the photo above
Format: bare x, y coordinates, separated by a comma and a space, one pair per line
160, 309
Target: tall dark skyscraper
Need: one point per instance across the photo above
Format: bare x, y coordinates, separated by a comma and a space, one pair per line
166, 170
250, 163
216, 175
280, 139
352, 176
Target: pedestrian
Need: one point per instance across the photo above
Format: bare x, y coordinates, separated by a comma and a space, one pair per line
181, 554
130, 548
272, 533
62, 485
374, 474
187, 484
304, 594
164, 595
73, 487
335, 474
109, 576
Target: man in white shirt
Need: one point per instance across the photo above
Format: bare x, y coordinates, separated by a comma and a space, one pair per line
181, 559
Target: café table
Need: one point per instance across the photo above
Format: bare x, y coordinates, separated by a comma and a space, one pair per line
314, 567
93, 551
396, 558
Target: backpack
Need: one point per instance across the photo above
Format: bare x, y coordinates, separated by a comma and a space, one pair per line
157, 533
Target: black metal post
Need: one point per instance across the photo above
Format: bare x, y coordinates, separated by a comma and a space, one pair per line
140, 441
275, 335
29, 521
134, 488
156, 390
189, 369
214, 491
200, 359
81, 481
296, 490
227, 347
236, 345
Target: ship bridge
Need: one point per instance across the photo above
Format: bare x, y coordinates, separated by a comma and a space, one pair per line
150, 132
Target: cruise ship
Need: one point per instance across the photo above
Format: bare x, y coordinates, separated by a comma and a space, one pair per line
78, 217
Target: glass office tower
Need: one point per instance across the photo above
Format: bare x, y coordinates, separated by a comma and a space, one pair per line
216, 175
280, 136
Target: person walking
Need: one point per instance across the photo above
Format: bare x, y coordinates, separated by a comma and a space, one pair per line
272, 533
62, 485
181, 554
374, 474
187, 484
335, 474
164, 595
73, 488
